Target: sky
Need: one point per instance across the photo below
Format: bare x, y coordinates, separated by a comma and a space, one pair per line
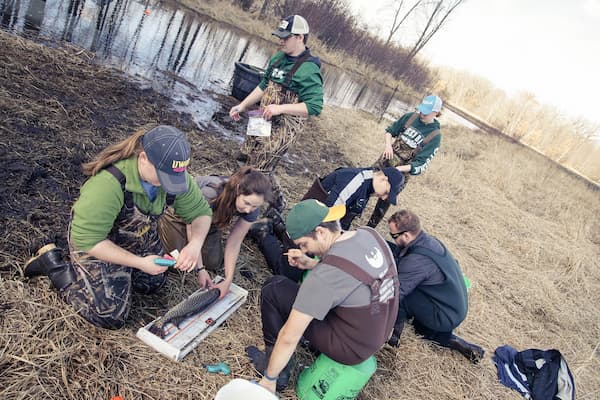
550, 48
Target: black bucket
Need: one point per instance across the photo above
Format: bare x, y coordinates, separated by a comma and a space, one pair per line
245, 78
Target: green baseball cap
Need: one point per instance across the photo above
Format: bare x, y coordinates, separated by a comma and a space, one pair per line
305, 216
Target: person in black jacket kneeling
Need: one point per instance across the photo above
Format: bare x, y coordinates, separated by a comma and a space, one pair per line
432, 287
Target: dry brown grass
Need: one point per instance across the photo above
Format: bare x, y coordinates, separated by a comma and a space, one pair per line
526, 233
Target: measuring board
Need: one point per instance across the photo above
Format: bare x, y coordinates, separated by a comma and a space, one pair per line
178, 342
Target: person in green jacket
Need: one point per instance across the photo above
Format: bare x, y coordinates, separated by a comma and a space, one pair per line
290, 91
113, 237
410, 144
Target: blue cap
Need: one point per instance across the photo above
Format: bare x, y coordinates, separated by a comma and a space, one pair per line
169, 151
430, 104
396, 180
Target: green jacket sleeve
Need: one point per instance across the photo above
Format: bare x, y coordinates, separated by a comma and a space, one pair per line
191, 204
94, 213
421, 161
308, 83
397, 127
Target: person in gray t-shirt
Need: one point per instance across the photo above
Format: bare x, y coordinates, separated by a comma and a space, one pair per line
346, 306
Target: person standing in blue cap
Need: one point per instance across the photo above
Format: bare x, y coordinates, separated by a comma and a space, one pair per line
410, 144
113, 236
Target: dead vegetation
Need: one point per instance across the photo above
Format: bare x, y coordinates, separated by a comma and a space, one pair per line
526, 233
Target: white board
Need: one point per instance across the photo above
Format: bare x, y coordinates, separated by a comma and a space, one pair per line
178, 342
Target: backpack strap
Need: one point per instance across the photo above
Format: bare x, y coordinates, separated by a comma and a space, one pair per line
360, 274
429, 137
119, 176
170, 199
128, 200
288, 77
410, 120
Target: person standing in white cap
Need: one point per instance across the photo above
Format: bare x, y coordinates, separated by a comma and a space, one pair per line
410, 144
290, 91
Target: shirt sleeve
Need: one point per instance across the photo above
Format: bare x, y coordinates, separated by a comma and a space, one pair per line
309, 86
192, 204
95, 211
421, 161
413, 270
397, 127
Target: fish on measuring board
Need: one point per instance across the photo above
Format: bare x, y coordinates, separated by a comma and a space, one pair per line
196, 303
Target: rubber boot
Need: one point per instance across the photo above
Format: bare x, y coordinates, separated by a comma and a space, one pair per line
471, 351
394, 340
260, 361
259, 230
378, 212
279, 229
48, 261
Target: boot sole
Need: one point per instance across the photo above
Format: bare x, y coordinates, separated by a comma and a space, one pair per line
40, 252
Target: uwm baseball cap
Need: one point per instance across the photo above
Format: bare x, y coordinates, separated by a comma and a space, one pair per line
169, 152
292, 25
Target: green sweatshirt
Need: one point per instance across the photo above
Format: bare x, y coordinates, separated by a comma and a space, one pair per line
101, 199
413, 136
307, 82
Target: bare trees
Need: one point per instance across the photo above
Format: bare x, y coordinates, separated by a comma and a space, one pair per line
428, 17
398, 21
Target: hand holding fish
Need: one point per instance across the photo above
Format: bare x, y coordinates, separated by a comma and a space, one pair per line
223, 286
204, 279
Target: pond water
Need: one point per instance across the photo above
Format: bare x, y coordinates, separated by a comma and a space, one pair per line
182, 54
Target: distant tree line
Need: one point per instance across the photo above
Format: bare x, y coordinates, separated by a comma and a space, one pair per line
573, 142
333, 23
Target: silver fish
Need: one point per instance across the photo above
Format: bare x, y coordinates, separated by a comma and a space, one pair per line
196, 303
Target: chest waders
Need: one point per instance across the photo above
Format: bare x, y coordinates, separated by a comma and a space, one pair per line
403, 155
102, 291
264, 153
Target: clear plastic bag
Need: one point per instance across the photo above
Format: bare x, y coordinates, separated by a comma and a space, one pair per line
257, 125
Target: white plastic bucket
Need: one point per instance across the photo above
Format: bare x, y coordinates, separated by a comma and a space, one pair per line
241, 389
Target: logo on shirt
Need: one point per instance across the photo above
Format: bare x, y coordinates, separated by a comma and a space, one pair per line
375, 258
412, 137
277, 73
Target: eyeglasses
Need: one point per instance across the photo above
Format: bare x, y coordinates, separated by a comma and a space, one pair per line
395, 235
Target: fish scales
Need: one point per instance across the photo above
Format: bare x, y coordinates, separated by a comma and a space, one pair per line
194, 304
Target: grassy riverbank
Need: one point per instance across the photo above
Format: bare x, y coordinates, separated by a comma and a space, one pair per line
526, 233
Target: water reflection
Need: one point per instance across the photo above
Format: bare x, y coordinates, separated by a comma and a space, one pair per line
182, 54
